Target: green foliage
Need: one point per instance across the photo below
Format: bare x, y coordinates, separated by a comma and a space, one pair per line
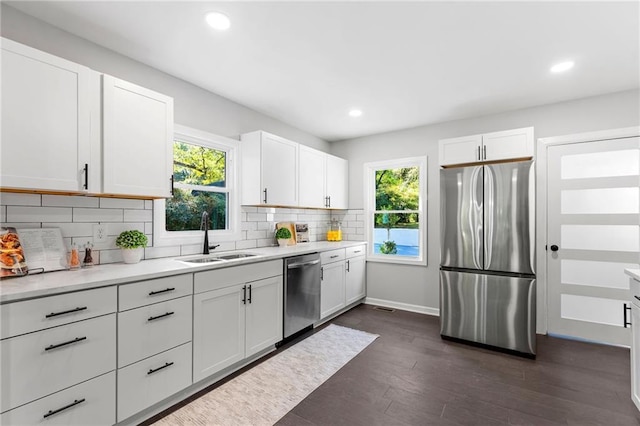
283, 234
131, 239
397, 189
197, 165
184, 210
388, 247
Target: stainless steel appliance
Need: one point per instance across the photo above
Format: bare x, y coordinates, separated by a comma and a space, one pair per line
487, 274
301, 292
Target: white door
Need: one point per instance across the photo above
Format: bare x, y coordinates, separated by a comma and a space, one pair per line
45, 120
592, 236
218, 330
279, 171
337, 182
311, 192
263, 314
137, 140
355, 279
332, 288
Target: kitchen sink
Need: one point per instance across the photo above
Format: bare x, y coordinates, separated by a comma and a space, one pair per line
232, 256
201, 260
213, 258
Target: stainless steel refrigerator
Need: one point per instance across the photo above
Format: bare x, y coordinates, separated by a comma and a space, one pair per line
487, 274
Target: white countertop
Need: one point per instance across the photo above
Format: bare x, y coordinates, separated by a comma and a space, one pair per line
633, 273
50, 283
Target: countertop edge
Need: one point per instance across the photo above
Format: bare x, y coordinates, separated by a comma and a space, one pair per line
633, 273
60, 282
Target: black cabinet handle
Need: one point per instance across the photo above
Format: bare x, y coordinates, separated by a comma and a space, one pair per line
484, 151
160, 316
329, 203
59, 345
70, 311
321, 273
265, 196
86, 176
479, 158
244, 294
153, 370
166, 290
626, 308
73, 404
356, 251
348, 265
334, 256
249, 293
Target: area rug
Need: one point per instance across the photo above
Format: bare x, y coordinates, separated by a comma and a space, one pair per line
268, 391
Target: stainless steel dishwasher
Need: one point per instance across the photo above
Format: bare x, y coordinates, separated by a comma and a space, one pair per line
301, 292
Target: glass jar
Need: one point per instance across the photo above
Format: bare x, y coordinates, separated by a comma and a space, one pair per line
335, 232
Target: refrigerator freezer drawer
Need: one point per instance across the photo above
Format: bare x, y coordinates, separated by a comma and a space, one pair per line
492, 310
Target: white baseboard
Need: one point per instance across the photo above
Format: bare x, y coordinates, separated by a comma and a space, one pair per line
403, 306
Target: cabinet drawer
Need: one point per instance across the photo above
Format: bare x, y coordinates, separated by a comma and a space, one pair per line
37, 314
38, 364
144, 383
226, 277
151, 329
98, 406
331, 256
153, 291
356, 251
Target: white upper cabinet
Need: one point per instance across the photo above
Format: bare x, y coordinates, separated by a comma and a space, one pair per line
46, 122
269, 170
496, 146
313, 164
137, 140
336, 182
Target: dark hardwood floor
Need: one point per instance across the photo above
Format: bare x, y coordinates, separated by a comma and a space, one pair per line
410, 376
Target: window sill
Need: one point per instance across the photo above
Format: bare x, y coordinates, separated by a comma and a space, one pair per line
397, 260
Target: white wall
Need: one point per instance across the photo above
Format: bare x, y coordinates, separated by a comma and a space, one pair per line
416, 287
194, 106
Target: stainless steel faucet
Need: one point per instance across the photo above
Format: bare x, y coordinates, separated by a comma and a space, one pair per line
204, 225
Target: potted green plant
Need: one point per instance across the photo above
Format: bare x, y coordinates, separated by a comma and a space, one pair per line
283, 235
132, 244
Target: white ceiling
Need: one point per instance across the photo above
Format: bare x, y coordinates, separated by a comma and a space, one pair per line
404, 64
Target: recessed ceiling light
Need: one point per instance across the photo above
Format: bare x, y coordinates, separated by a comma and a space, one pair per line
562, 67
218, 21
355, 113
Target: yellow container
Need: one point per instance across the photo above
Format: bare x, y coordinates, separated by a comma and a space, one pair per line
334, 235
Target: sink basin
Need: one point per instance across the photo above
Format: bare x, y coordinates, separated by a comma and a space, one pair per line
232, 256
202, 260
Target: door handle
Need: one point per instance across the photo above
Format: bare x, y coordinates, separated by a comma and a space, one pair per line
302, 264
554, 248
625, 308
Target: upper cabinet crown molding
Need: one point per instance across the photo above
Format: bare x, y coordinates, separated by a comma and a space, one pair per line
496, 146
56, 139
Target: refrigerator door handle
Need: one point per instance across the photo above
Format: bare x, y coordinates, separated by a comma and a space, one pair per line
489, 203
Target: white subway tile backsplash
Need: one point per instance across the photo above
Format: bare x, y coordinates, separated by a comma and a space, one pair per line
246, 244
256, 217
3, 214
266, 242
116, 228
69, 201
156, 252
121, 203
249, 226
266, 226
19, 225
148, 204
97, 215
71, 229
138, 216
18, 199
254, 235
190, 249
148, 228
249, 209
38, 214
110, 256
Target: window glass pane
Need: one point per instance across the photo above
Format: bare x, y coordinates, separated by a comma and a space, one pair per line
198, 165
600, 237
600, 201
398, 189
396, 234
600, 164
184, 210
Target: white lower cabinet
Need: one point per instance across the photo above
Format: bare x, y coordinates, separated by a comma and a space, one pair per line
234, 322
355, 274
634, 286
88, 403
332, 288
151, 380
343, 279
38, 364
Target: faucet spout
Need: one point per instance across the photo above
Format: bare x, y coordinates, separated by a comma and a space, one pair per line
204, 226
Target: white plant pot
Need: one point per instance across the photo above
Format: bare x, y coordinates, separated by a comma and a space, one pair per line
132, 255
283, 242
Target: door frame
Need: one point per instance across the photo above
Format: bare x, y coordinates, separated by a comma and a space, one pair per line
542, 147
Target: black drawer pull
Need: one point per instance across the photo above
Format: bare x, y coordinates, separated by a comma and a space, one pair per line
76, 340
153, 370
357, 251
160, 316
166, 290
74, 403
334, 256
70, 311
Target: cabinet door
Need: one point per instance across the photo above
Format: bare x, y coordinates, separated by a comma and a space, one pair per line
137, 140
263, 314
279, 162
337, 182
355, 282
509, 144
311, 192
45, 120
635, 354
218, 330
332, 289
462, 150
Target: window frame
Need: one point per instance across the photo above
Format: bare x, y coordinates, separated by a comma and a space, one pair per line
370, 169
162, 237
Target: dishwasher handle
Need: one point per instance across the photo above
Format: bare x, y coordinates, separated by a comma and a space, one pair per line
302, 264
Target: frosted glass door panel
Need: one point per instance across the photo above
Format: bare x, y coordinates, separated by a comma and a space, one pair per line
592, 309
600, 164
600, 201
596, 274
600, 237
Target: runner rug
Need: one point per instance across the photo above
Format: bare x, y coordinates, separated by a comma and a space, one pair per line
268, 391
